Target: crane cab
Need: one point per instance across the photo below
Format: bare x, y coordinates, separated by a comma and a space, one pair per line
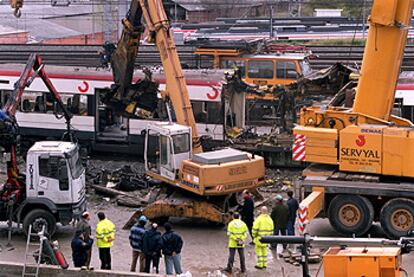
172, 145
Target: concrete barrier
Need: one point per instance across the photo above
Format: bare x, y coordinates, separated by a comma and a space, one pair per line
10, 269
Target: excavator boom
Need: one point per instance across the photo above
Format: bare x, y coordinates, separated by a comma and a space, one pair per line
176, 89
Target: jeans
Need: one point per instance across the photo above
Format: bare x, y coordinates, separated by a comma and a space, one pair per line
173, 261
135, 256
276, 232
291, 227
232, 252
155, 263
105, 257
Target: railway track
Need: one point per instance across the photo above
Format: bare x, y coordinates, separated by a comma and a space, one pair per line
88, 55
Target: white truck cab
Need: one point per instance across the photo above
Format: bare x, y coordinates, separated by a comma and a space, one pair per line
55, 185
174, 145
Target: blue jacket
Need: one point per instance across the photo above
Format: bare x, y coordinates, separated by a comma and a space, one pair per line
152, 243
135, 237
79, 251
171, 242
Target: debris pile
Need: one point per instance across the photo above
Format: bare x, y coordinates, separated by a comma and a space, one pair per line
294, 257
125, 183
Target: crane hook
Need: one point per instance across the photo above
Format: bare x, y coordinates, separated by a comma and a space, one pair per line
17, 12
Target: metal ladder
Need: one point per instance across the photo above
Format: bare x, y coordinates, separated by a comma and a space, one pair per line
28, 267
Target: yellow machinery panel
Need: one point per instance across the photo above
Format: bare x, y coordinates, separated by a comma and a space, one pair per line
222, 179
361, 148
362, 261
315, 145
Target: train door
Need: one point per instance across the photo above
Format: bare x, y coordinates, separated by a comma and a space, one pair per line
109, 127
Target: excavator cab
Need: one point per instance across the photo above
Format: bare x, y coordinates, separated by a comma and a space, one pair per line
174, 146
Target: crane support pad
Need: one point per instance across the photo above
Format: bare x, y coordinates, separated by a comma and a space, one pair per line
310, 207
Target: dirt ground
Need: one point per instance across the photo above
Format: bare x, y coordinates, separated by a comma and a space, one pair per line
204, 246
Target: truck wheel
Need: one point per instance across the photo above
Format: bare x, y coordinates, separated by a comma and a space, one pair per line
37, 218
351, 215
397, 217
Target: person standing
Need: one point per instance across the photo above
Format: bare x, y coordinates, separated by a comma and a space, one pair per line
135, 240
105, 236
172, 243
247, 211
84, 226
279, 215
151, 246
293, 206
262, 226
80, 248
237, 233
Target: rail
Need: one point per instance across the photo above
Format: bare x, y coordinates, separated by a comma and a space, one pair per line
88, 55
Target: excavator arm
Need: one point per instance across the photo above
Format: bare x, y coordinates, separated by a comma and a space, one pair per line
176, 89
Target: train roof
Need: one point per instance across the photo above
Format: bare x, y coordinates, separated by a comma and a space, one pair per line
193, 76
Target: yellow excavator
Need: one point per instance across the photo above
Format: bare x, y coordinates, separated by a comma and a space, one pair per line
202, 184
362, 156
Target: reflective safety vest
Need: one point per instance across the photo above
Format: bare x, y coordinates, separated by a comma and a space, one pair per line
236, 229
262, 226
105, 229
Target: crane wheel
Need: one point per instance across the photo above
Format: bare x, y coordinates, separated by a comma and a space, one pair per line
37, 218
397, 217
351, 215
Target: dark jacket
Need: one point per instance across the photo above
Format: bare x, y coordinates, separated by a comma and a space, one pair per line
293, 206
83, 225
247, 211
280, 213
152, 243
79, 251
135, 237
171, 242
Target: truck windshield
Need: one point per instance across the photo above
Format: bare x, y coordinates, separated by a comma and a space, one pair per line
75, 164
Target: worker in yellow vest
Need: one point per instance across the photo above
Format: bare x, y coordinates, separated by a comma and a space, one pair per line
105, 236
262, 226
237, 232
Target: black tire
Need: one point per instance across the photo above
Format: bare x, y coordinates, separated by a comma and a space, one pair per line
397, 217
37, 218
351, 214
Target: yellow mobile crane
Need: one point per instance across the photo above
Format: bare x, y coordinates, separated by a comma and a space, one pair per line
179, 161
363, 156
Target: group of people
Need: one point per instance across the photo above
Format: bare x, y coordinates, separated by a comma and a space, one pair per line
148, 245
280, 221
83, 241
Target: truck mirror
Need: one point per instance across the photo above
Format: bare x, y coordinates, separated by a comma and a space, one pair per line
143, 132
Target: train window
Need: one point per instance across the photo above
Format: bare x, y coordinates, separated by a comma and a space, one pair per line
214, 113
233, 64
199, 110
39, 102
286, 70
207, 112
260, 69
